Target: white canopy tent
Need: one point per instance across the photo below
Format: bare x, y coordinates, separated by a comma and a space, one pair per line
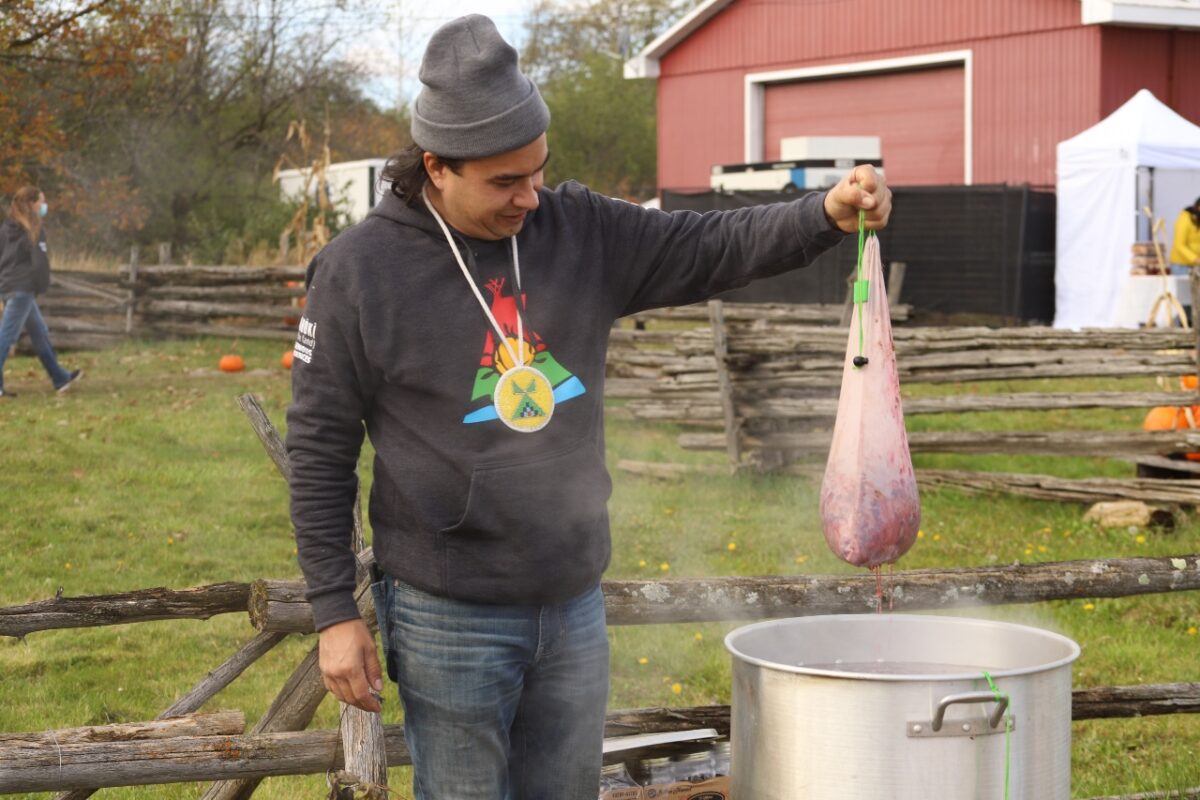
1142, 154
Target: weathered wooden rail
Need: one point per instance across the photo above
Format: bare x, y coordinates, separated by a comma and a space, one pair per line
143, 605
792, 313
280, 607
85, 310
94, 310
825, 408
1073, 443
215, 723
1152, 491
811, 357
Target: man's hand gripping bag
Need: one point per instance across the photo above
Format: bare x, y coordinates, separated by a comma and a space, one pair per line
870, 510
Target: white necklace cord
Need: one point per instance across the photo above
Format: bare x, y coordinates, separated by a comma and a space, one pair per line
517, 360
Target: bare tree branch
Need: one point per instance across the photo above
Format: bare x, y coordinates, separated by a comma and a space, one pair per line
54, 27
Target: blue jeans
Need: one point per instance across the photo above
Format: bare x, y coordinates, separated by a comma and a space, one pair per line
21, 311
500, 702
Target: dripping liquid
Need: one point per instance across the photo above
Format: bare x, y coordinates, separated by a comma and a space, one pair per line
880, 586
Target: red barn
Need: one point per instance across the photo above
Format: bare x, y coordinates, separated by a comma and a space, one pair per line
960, 91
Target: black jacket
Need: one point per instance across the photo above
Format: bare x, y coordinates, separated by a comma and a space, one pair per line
394, 343
23, 267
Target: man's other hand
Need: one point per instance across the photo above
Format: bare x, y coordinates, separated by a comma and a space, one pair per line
865, 189
349, 664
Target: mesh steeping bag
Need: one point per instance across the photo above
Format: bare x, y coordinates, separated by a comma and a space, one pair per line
870, 509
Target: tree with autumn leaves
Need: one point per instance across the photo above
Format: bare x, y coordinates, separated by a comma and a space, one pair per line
151, 121
161, 120
63, 65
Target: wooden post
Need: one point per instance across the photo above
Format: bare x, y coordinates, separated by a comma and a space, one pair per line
285, 239
716, 318
164, 253
1194, 284
133, 276
267, 435
363, 741
895, 281
362, 731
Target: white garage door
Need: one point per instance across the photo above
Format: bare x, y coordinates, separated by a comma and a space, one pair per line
918, 115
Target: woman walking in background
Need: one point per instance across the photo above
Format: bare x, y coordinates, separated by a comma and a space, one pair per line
24, 274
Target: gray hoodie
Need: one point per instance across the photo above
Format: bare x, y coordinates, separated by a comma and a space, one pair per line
394, 342
24, 266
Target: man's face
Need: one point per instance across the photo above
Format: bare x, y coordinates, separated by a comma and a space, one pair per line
492, 196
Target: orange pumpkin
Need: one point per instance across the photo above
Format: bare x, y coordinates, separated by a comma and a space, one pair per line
1168, 418
1164, 418
286, 361
231, 364
1189, 382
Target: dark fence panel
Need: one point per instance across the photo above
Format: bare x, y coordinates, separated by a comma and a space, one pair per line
986, 250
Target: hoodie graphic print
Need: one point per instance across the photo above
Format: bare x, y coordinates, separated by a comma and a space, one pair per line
496, 360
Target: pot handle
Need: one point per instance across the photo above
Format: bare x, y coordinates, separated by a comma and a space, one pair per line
970, 697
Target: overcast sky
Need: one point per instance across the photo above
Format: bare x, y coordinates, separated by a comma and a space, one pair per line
388, 38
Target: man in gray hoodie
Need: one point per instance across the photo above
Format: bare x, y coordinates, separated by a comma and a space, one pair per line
463, 326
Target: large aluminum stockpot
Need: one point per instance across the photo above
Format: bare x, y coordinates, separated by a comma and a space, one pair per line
897, 707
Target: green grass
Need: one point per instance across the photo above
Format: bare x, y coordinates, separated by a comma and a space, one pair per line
149, 475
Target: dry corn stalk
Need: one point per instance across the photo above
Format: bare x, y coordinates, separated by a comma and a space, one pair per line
307, 240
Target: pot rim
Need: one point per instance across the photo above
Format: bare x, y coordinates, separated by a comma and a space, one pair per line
1072, 647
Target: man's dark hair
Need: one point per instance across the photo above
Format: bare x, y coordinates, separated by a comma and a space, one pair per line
407, 174
1194, 210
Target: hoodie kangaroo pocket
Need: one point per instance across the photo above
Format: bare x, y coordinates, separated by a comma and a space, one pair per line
533, 531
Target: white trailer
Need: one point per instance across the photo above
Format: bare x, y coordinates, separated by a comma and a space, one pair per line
354, 186
806, 162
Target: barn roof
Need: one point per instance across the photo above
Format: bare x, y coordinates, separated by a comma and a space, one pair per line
645, 63
1138, 13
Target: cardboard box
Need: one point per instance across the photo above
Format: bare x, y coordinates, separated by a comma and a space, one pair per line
716, 789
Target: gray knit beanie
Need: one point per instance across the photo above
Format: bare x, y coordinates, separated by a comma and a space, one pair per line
475, 102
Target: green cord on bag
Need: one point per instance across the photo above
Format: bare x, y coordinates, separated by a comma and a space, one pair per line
861, 286
1007, 727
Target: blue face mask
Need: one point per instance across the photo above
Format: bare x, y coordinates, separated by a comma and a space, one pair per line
43, 210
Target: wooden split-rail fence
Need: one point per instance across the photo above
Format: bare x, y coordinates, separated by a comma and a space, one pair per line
94, 310
758, 381
762, 385
187, 744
